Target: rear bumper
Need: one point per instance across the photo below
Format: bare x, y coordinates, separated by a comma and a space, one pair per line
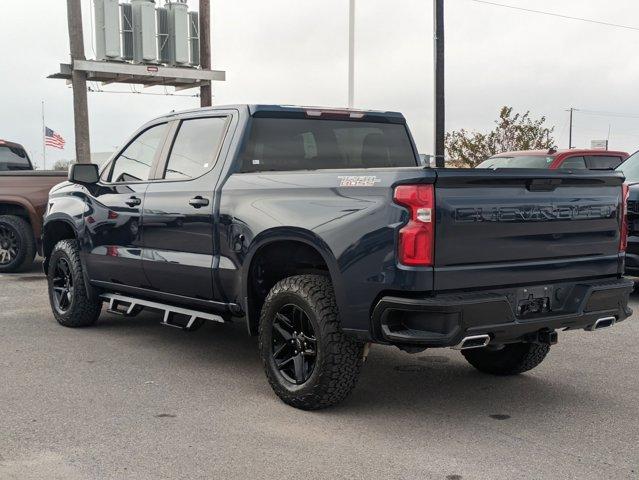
444, 320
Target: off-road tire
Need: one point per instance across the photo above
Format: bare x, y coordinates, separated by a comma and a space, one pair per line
513, 359
339, 357
26, 244
82, 311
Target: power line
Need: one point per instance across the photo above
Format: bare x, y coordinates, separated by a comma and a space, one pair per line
608, 114
558, 15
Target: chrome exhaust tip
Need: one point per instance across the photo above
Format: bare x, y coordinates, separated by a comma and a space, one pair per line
604, 322
475, 341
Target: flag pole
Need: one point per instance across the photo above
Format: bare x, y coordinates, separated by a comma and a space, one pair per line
44, 140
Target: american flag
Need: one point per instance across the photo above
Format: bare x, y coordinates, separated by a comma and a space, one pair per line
52, 139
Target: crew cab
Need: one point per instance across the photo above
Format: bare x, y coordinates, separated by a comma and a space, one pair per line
320, 231
23, 197
553, 159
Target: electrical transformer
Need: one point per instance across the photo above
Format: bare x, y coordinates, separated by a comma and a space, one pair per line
107, 30
144, 31
136, 31
178, 16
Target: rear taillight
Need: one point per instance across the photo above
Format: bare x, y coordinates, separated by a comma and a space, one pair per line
623, 208
417, 237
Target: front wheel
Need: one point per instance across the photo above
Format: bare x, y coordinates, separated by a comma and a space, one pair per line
511, 359
71, 305
310, 363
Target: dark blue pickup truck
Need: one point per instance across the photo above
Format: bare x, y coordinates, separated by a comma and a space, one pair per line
322, 233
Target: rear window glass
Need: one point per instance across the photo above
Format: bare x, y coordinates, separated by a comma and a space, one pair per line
310, 144
573, 163
13, 158
603, 162
523, 161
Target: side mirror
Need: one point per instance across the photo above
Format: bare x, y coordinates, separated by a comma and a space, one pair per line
84, 173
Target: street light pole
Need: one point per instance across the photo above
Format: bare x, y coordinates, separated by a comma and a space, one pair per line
351, 53
570, 129
440, 101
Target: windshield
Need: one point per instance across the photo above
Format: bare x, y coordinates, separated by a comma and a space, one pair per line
630, 168
523, 161
309, 144
13, 158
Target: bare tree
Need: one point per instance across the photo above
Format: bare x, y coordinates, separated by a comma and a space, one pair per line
62, 164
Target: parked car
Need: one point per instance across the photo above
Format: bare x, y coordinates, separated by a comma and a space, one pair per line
630, 169
23, 199
557, 159
322, 233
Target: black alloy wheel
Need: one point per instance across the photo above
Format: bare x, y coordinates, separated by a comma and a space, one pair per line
74, 303
294, 346
308, 360
9, 244
62, 285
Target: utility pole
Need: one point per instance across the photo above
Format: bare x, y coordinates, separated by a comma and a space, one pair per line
570, 129
79, 83
206, 94
440, 99
351, 53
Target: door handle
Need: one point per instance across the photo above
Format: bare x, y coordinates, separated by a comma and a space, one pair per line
133, 202
198, 202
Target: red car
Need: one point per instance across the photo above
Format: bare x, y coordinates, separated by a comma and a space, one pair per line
557, 159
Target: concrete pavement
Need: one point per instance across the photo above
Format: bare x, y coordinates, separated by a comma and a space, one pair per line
131, 399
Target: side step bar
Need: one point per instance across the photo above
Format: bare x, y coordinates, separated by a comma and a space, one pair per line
133, 306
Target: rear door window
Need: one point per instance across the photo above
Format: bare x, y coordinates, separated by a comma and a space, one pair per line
196, 148
135, 162
573, 163
603, 162
13, 158
310, 144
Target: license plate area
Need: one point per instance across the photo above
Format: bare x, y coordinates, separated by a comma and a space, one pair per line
533, 301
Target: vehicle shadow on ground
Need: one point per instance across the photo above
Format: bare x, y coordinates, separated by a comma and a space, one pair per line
438, 381
435, 383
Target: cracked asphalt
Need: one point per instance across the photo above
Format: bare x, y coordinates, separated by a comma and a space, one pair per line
129, 399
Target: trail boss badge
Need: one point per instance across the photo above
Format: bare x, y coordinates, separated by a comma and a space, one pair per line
358, 181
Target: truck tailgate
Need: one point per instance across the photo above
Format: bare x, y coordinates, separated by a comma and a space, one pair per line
506, 227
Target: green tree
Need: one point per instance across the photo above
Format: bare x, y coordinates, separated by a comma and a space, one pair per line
512, 132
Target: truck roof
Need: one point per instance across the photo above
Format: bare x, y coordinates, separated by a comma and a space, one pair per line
7, 143
299, 110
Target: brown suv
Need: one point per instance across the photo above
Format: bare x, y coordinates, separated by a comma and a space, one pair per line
23, 200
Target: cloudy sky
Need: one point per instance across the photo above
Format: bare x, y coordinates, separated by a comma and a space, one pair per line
295, 52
